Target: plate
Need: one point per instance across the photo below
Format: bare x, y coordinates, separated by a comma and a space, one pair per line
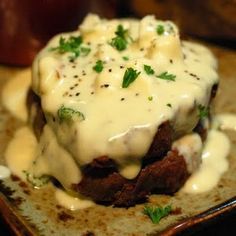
34, 212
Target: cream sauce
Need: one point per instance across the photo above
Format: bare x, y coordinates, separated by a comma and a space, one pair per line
190, 147
21, 151
14, 94
4, 172
224, 121
214, 164
121, 122
71, 202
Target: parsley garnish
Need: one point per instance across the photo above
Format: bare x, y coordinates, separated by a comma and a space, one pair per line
202, 111
150, 98
156, 213
125, 58
37, 182
69, 114
129, 77
148, 69
72, 45
120, 42
85, 51
166, 76
99, 66
160, 29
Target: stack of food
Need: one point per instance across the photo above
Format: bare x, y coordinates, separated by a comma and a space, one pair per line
120, 109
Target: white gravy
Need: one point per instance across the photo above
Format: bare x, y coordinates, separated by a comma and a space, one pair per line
224, 121
72, 203
214, 164
14, 94
4, 172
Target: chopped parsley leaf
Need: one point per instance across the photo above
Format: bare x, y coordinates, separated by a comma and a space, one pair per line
129, 77
166, 76
69, 114
85, 51
150, 98
202, 111
157, 213
37, 182
125, 58
120, 42
148, 69
99, 66
71, 45
160, 29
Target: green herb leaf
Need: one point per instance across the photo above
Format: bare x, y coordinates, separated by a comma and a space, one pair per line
166, 76
85, 51
36, 181
148, 69
99, 66
160, 29
125, 58
120, 42
71, 45
202, 111
150, 98
69, 114
157, 213
129, 77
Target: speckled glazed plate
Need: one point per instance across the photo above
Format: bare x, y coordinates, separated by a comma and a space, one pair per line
35, 212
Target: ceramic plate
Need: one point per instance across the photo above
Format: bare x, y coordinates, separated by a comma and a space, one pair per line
35, 212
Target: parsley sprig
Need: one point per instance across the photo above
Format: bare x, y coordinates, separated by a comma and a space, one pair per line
157, 213
98, 66
148, 69
160, 29
69, 114
120, 41
166, 76
71, 45
129, 77
202, 111
37, 182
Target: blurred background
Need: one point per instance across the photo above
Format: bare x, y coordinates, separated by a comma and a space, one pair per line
26, 25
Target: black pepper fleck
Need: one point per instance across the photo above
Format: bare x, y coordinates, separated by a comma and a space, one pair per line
171, 61
136, 94
141, 49
75, 76
92, 92
77, 94
122, 99
110, 70
121, 67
